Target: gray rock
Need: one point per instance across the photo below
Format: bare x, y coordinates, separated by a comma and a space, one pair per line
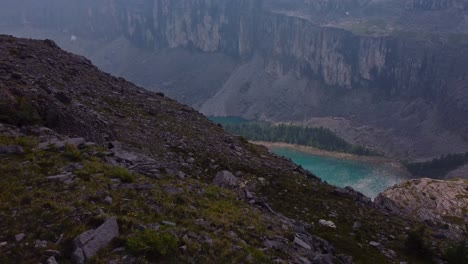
11, 149
108, 200
272, 244
304, 260
2, 244
168, 223
181, 175
90, 144
323, 259
173, 190
126, 156
326, 223
19, 237
78, 256
357, 226
301, 243
138, 186
40, 244
225, 179
50, 144
248, 195
66, 177
51, 260
75, 141
202, 222
374, 244
90, 242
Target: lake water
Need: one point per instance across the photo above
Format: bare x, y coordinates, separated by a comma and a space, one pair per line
368, 178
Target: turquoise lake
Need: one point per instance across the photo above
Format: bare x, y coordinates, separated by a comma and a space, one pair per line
368, 178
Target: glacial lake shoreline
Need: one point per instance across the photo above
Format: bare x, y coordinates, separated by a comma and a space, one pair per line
367, 174
338, 155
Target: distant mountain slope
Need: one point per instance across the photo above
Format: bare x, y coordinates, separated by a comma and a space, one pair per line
395, 71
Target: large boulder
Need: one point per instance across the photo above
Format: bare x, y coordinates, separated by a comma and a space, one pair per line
436, 202
225, 179
87, 244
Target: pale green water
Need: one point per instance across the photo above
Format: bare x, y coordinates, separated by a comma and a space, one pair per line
368, 178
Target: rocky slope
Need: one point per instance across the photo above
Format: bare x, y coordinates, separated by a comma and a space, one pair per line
437, 202
97, 169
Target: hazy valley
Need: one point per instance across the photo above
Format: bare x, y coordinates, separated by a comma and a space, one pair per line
249, 131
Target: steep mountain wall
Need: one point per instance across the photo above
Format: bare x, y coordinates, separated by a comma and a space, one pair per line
437, 4
272, 60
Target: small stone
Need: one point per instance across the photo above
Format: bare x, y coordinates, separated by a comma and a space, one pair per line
19, 237
357, 226
248, 195
78, 256
374, 244
125, 156
190, 160
40, 244
116, 181
2, 244
51, 144
75, 141
108, 200
119, 249
181, 175
89, 144
173, 190
301, 243
168, 223
326, 223
272, 244
183, 248
261, 180
52, 260
67, 177
304, 260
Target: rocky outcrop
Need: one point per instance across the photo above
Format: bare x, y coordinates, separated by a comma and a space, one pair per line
437, 202
90, 242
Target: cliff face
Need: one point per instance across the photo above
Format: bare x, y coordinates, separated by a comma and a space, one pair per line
437, 4
267, 56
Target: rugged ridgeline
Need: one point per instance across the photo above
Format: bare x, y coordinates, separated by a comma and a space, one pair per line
437, 4
150, 179
393, 70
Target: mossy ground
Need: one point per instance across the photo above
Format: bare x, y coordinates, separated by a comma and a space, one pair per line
46, 210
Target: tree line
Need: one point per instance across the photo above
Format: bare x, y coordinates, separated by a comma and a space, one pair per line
320, 138
438, 167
